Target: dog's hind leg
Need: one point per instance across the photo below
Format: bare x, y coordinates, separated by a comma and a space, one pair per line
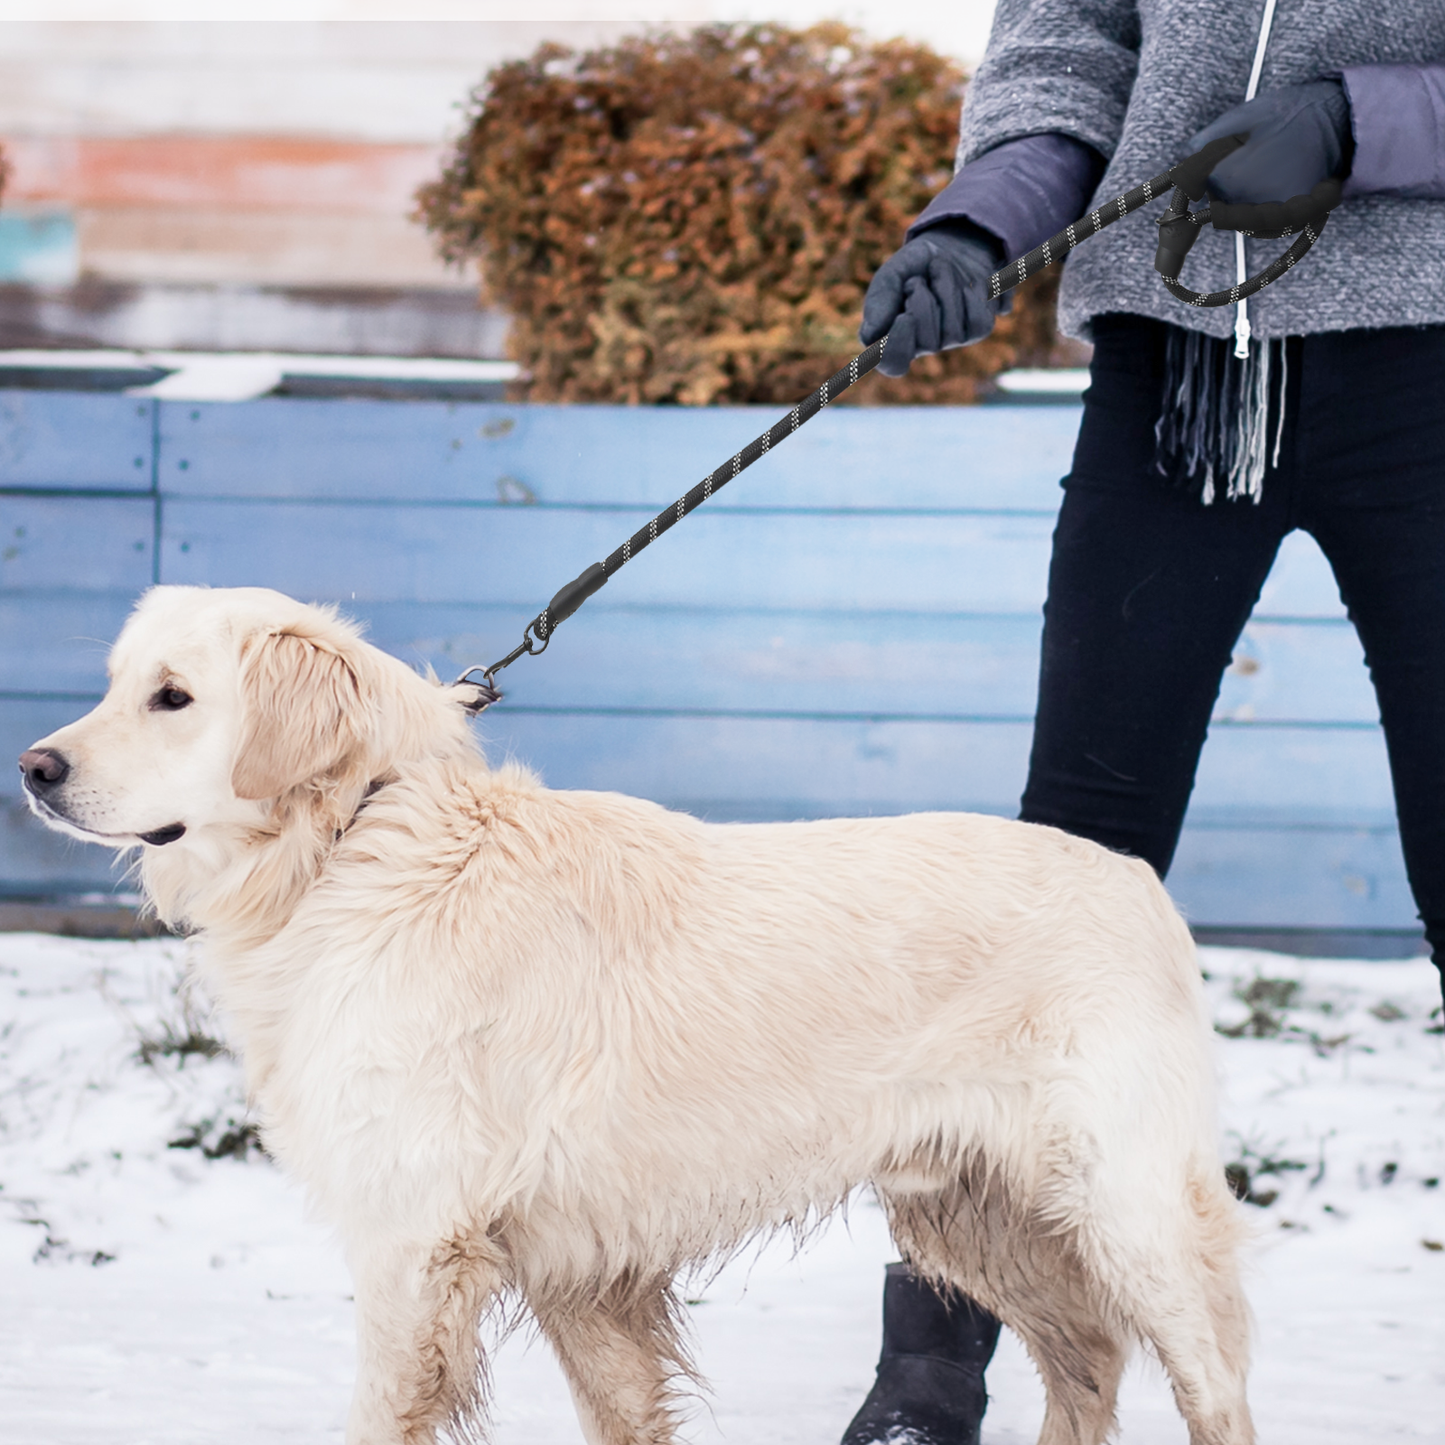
1177, 1283
1032, 1278
1079, 1352
623, 1355
419, 1360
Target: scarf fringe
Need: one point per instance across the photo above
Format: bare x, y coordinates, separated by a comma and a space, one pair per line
1214, 414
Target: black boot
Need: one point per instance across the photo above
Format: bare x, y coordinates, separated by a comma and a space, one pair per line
929, 1389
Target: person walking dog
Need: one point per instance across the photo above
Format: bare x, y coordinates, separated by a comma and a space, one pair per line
1207, 435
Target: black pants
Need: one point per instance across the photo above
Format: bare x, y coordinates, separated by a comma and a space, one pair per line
1149, 588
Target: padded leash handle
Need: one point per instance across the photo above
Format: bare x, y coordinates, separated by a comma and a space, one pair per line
1179, 228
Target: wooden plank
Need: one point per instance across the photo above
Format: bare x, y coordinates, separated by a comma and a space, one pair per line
85, 543
1321, 776
24, 721
1298, 672
811, 662
1300, 584
739, 767
777, 662
521, 556
229, 172
1293, 878
799, 766
57, 642
37, 862
56, 440
910, 458
762, 662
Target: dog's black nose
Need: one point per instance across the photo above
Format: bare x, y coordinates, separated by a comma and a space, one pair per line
44, 770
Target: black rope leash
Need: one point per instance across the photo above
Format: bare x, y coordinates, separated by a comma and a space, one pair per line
1179, 228
538, 632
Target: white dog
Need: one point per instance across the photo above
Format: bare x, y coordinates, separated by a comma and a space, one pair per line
561, 1046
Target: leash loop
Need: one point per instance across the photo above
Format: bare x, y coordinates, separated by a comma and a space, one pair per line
1179, 228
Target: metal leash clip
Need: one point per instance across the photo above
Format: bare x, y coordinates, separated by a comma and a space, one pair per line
487, 692
536, 631
535, 636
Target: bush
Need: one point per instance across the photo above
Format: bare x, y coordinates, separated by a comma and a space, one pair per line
695, 218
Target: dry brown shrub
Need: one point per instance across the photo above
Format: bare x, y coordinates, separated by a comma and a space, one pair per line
695, 218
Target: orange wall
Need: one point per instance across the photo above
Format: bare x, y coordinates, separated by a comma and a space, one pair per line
240, 210
243, 173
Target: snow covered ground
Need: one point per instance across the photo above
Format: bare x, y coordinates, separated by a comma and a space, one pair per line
151, 1293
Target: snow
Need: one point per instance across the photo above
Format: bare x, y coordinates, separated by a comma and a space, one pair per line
151, 1294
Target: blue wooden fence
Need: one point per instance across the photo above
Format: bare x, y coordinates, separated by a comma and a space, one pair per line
852, 627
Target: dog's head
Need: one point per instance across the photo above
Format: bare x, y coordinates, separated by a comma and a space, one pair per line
223, 704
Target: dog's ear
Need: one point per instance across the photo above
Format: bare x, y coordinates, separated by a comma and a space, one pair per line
302, 713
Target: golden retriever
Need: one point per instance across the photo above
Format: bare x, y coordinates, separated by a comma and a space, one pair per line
560, 1046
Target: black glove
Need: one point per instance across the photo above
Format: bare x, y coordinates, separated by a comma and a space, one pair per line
1299, 135
932, 294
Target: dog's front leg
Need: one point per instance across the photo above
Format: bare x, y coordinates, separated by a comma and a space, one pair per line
623, 1355
419, 1358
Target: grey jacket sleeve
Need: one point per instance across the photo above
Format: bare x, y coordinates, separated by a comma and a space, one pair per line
1397, 113
1023, 191
1053, 65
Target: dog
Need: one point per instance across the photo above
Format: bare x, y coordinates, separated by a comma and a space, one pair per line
559, 1047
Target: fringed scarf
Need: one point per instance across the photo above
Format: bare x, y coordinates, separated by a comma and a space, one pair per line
1214, 414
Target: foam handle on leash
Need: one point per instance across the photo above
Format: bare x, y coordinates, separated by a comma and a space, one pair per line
1270, 219
570, 598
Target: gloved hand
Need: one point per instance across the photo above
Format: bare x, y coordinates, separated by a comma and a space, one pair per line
1299, 135
932, 294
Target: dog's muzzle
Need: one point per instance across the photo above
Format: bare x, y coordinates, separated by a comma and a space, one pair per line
45, 770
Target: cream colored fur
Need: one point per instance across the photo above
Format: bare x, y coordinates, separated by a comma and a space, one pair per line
560, 1046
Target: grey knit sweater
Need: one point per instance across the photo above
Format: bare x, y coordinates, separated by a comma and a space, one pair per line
1135, 79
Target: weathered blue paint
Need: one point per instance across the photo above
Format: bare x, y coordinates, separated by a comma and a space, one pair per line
955, 562
948, 665
496, 455
851, 627
71, 441
76, 542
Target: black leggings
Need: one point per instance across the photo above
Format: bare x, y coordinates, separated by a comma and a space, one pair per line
1149, 588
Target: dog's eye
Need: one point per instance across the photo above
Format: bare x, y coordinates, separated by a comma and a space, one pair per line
170, 699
